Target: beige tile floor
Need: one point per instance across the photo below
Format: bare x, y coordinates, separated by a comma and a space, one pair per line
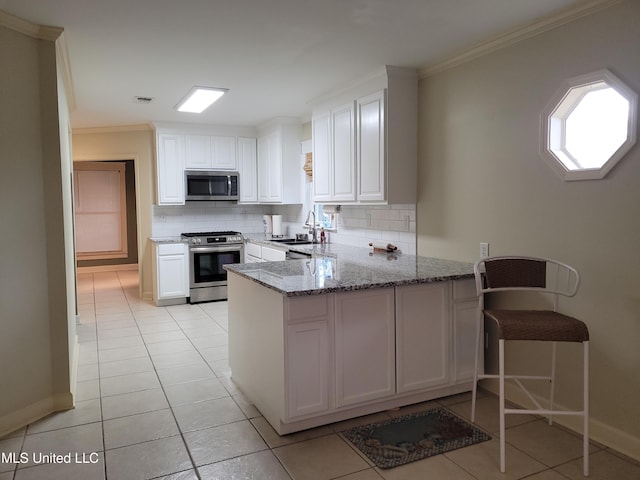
155, 400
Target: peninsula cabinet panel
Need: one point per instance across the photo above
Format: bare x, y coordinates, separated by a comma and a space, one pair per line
465, 317
309, 354
365, 346
422, 335
308, 366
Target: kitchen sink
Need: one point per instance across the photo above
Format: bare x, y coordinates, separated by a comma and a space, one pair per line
291, 241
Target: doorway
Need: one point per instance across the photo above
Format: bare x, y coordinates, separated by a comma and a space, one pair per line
105, 213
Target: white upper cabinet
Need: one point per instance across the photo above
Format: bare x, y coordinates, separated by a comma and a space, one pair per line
280, 173
269, 169
223, 153
376, 160
170, 169
247, 168
334, 155
210, 152
198, 152
322, 168
371, 154
343, 153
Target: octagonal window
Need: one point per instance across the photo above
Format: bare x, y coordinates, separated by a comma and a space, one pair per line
589, 126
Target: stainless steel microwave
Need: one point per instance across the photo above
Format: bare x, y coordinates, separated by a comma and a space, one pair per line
206, 185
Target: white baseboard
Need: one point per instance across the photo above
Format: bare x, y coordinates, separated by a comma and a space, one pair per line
108, 268
598, 431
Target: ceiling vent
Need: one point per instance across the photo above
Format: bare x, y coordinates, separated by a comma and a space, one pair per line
143, 100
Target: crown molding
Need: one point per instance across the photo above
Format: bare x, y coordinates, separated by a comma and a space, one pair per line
140, 127
41, 32
51, 34
64, 66
517, 35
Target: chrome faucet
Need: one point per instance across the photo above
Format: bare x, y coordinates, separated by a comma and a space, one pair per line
312, 226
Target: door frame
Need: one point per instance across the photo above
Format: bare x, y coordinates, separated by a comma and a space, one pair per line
105, 157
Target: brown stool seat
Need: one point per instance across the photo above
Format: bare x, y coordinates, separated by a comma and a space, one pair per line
543, 325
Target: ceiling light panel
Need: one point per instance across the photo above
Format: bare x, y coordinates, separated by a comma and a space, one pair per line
199, 99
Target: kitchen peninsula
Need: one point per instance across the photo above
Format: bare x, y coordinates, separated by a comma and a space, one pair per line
349, 332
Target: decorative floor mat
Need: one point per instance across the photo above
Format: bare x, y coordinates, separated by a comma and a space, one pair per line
405, 439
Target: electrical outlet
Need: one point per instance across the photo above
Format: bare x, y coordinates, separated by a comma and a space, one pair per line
484, 249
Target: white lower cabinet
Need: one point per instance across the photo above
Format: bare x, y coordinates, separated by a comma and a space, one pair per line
422, 336
273, 254
254, 253
365, 346
308, 356
170, 273
306, 361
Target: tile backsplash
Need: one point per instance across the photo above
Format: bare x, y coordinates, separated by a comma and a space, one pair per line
357, 224
172, 220
360, 224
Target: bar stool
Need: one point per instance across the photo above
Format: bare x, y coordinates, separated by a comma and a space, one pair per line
529, 274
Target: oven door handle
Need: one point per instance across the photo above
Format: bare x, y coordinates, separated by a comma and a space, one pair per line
215, 248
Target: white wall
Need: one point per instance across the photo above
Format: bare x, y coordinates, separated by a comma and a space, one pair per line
481, 179
37, 335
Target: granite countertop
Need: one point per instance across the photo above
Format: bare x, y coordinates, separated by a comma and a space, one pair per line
335, 268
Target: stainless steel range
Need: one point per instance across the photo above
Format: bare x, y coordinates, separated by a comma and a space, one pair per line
208, 252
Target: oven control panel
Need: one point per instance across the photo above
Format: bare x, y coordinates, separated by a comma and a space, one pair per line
215, 239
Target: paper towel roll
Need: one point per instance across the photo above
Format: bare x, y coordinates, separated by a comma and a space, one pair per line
276, 225
330, 209
266, 222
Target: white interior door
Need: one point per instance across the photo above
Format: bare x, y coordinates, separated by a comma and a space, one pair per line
100, 210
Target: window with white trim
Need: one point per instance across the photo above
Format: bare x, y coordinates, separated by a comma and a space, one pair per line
589, 126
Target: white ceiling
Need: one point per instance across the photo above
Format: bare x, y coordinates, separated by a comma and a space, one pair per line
274, 56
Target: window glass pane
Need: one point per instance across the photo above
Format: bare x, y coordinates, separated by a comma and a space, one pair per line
597, 127
326, 221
